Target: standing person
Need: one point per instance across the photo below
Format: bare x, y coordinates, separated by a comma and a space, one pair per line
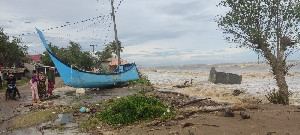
42, 85
34, 90
11, 80
51, 80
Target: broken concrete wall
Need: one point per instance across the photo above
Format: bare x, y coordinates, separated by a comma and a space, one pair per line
224, 78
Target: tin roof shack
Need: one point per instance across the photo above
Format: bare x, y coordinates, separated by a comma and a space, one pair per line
19, 73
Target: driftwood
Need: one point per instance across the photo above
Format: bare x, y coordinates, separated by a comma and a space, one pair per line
224, 78
210, 125
226, 109
243, 107
28, 105
175, 93
192, 102
202, 109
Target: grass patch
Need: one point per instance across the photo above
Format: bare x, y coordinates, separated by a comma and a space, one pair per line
59, 128
21, 82
128, 110
89, 124
70, 93
140, 80
38, 117
34, 118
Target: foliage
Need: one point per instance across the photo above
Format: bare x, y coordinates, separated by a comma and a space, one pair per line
38, 117
90, 124
110, 49
11, 53
128, 110
23, 81
276, 98
33, 119
140, 80
269, 27
72, 55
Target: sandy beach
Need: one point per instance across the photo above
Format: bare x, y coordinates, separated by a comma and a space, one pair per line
257, 81
265, 118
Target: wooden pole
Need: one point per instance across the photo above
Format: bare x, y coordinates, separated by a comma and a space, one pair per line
116, 33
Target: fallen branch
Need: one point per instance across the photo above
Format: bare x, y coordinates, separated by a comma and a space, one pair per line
202, 109
192, 102
210, 125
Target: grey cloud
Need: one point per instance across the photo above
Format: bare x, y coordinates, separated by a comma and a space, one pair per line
200, 18
181, 8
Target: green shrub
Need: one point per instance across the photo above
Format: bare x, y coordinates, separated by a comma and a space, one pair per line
140, 80
276, 98
128, 110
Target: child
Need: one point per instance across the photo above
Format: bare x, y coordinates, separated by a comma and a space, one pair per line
34, 90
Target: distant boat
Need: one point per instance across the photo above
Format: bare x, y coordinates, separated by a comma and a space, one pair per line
82, 79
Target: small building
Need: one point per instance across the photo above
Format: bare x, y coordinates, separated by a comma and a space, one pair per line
111, 64
19, 73
35, 58
114, 61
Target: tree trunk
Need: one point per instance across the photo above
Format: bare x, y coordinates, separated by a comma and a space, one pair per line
279, 72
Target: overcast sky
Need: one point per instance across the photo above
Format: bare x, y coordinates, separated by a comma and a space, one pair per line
153, 32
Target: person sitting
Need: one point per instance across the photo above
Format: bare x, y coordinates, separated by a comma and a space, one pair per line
11, 80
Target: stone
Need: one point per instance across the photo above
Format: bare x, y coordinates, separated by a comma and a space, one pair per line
244, 115
80, 91
87, 110
236, 92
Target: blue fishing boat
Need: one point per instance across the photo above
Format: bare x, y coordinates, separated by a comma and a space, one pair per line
81, 79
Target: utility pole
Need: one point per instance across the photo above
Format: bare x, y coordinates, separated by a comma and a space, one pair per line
93, 47
115, 29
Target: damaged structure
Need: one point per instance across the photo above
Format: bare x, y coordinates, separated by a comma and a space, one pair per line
224, 78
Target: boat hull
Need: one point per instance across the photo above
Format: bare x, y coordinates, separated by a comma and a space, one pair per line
82, 79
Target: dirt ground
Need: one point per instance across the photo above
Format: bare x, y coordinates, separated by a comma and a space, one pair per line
267, 120
198, 116
206, 117
11, 108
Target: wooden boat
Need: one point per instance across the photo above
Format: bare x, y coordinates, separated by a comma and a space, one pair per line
82, 79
